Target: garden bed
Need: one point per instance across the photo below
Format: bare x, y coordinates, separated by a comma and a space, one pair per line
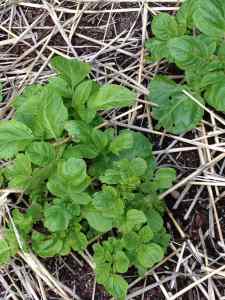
111, 36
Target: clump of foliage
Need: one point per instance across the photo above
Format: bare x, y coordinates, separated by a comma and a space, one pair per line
79, 181
194, 41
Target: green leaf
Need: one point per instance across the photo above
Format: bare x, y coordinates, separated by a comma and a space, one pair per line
189, 51
138, 166
73, 70
211, 78
19, 173
103, 272
135, 217
29, 92
22, 221
53, 115
79, 131
77, 239
81, 151
4, 252
14, 137
108, 201
122, 142
165, 27
176, 112
164, 177
158, 49
131, 240
99, 139
56, 218
98, 222
141, 147
154, 220
149, 254
10, 238
60, 86
112, 96
121, 262
117, 286
46, 246
71, 178
185, 13
81, 97
209, 17
215, 96
41, 153
81, 198
146, 234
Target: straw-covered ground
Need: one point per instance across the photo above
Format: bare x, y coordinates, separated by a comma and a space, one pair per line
111, 36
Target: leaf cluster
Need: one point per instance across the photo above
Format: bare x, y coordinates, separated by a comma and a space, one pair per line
79, 181
193, 40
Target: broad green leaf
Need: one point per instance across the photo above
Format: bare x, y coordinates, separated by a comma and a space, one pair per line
141, 147
117, 286
149, 254
73, 170
164, 177
53, 115
77, 239
14, 137
35, 211
154, 220
188, 51
56, 218
112, 96
81, 151
176, 112
29, 92
212, 78
60, 86
108, 202
81, 198
122, 142
121, 262
46, 246
41, 153
185, 13
162, 238
99, 139
165, 27
135, 217
98, 222
73, 70
79, 131
215, 96
221, 52
10, 238
158, 49
70, 178
111, 176
19, 173
131, 240
103, 272
4, 252
138, 166
81, 96
146, 234
22, 221
209, 17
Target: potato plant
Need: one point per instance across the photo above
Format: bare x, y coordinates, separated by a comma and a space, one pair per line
79, 182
